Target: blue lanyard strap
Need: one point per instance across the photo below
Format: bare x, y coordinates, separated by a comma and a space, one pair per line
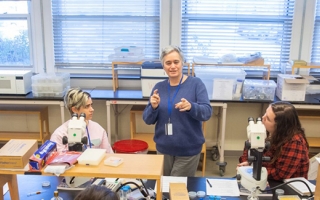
170, 102
88, 137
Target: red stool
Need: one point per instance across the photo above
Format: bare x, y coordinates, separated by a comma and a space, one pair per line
130, 146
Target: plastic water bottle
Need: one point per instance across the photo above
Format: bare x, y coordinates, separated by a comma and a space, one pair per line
56, 196
124, 191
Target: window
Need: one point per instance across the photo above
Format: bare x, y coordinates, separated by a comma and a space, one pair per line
14, 34
214, 28
315, 53
86, 32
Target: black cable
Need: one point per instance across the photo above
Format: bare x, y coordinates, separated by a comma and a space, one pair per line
286, 183
130, 182
144, 187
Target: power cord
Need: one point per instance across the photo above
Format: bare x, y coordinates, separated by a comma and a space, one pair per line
144, 187
144, 193
286, 183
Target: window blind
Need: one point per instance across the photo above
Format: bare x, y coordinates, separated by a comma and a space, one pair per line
86, 32
315, 53
213, 28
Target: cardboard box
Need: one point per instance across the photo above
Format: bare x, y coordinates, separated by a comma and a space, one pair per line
15, 154
178, 191
38, 160
313, 167
291, 87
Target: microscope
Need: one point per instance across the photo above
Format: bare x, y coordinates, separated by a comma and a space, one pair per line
76, 140
76, 132
253, 176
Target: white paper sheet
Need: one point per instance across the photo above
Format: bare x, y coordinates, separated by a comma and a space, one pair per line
5, 188
223, 187
222, 89
166, 180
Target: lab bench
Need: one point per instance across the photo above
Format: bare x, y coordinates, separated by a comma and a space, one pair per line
40, 111
134, 97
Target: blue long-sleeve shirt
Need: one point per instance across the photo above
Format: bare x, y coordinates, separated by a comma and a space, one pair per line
187, 137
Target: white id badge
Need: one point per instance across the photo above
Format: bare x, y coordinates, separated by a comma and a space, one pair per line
168, 129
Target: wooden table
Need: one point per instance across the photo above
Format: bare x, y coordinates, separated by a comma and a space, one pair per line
143, 166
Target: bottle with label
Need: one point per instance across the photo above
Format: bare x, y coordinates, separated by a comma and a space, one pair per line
56, 196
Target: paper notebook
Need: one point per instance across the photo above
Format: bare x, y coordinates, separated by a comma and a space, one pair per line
300, 187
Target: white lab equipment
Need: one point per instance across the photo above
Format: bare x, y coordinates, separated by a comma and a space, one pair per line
256, 134
254, 176
76, 128
76, 133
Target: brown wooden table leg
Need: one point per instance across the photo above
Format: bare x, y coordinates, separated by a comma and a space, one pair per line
11, 179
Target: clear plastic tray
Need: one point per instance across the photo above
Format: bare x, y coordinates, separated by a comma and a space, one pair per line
126, 58
49, 94
259, 89
129, 49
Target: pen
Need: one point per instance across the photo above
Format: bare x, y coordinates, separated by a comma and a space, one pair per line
34, 193
209, 183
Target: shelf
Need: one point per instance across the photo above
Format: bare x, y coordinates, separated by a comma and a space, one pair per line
115, 82
308, 114
314, 141
148, 138
257, 63
308, 66
5, 136
43, 120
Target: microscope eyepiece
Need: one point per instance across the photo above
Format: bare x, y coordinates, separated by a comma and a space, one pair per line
74, 115
259, 119
83, 115
250, 119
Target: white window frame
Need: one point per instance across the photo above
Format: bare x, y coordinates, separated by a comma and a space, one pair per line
308, 28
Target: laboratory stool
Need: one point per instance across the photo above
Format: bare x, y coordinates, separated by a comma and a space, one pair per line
130, 146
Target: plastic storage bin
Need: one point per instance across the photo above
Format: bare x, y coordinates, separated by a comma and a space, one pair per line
127, 54
125, 57
259, 89
222, 83
129, 49
50, 85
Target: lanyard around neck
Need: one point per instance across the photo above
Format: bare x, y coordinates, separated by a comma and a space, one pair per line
170, 102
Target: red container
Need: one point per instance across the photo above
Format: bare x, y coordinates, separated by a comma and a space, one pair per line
130, 146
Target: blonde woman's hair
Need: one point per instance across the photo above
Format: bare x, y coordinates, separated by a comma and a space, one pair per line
75, 98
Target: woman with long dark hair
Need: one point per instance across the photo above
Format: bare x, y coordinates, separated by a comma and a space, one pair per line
289, 147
